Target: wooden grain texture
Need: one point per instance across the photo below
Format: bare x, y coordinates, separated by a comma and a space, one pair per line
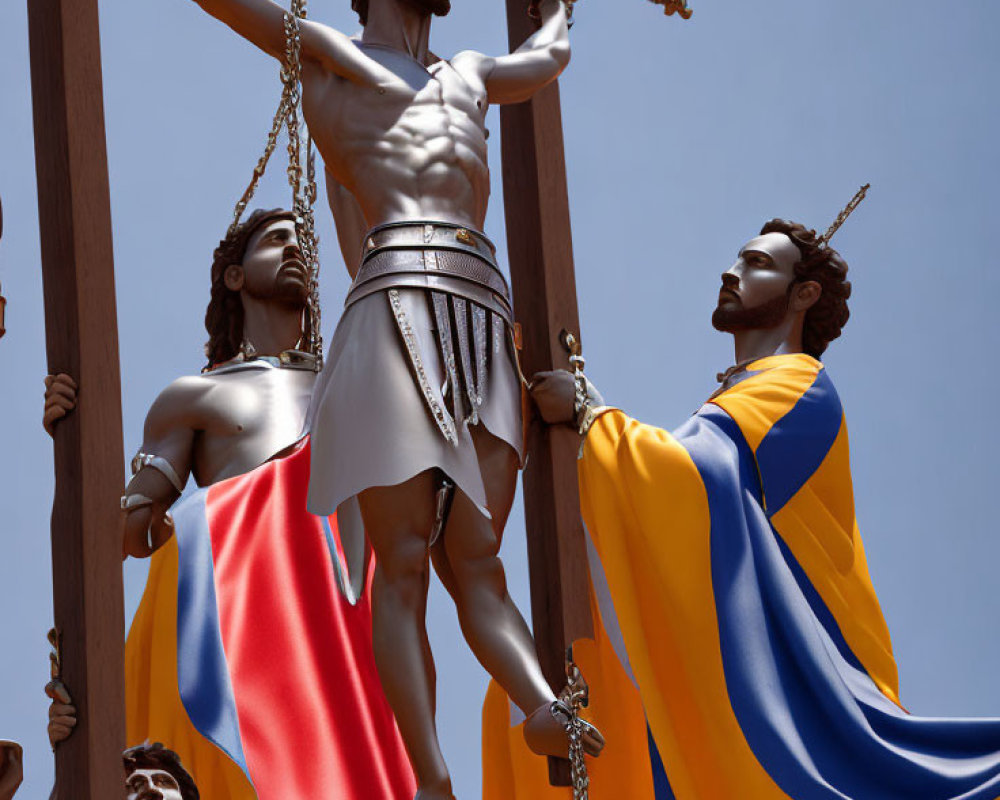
81, 340
540, 247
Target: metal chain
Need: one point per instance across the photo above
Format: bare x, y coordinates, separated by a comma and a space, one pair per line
824, 240
258, 171
303, 185
575, 696
289, 116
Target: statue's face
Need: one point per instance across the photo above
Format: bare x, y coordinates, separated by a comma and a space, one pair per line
274, 267
152, 784
755, 290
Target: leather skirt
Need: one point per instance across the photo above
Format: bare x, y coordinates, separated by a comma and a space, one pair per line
423, 351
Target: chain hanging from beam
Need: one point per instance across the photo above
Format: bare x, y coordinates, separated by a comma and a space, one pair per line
301, 178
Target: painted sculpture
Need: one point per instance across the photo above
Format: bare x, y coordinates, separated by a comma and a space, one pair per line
741, 650
250, 654
417, 411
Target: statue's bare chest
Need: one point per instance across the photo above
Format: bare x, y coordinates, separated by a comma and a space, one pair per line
415, 106
249, 414
257, 398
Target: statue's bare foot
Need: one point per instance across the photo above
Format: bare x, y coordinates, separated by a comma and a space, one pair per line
546, 735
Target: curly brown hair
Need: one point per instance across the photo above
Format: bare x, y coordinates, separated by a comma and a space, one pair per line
826, 318
361, 7
224, 315
156, 756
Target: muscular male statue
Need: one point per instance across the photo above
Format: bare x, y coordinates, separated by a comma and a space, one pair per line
421, 391
244, 408
251, 401
731, 585
279, 708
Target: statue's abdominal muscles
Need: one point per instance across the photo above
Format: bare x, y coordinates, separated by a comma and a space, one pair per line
409, 154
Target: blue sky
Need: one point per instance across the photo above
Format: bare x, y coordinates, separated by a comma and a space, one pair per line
681, 140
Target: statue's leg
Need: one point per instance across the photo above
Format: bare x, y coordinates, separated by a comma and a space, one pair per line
474, 575
467, 561
398, 521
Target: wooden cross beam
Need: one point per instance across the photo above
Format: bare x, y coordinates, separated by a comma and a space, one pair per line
74, 213
540, 247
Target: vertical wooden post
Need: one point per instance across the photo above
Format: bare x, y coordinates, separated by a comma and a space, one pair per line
82, 340
543, 282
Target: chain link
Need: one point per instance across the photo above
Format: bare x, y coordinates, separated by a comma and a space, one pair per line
824, 240
301, 181
575, 696
258, 171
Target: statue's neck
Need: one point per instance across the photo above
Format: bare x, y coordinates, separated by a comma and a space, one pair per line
399, 25
270, 327
761, 343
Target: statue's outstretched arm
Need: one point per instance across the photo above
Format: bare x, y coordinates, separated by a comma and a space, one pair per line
516, 77
262, 22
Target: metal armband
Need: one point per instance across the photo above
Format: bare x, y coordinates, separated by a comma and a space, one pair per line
160, 464
133, 502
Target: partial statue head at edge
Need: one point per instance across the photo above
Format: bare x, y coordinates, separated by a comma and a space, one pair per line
437, 7
224, 315
155, 758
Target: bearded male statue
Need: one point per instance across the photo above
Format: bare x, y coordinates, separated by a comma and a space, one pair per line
417, 413
740, 649
251, 652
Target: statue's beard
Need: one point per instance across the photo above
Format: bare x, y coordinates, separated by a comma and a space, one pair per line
437, 7
733, 318
292, 294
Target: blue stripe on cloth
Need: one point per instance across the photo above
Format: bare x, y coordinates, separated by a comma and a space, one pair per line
750, 480
796, 445
816, 723
661, 786
818, 607
202, 672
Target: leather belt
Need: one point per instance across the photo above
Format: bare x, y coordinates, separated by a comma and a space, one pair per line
422, 235
447, 258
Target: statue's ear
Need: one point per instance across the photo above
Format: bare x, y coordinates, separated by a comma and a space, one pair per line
805, 295
234, 277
